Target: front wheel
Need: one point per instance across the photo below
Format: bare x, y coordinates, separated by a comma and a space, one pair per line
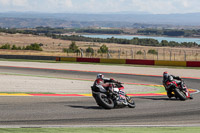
131, 102
104, 101
180, 94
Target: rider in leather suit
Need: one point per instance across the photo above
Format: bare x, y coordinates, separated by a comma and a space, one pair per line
103, 83
168, 77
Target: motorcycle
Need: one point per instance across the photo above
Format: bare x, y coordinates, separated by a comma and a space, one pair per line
178, 91
114, 97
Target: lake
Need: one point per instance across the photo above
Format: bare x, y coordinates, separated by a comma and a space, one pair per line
176, 39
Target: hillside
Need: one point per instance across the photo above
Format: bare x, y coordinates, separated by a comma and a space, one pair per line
21, 20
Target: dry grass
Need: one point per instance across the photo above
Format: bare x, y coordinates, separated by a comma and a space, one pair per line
54, 47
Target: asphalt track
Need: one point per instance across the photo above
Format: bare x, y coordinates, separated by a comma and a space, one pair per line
83, 111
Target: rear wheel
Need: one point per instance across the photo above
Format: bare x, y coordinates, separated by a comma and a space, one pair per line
181, 95
104, 101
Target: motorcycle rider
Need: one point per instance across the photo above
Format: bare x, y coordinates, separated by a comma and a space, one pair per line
167, 77
103, 83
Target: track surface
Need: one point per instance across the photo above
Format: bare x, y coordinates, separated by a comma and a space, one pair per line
84, 111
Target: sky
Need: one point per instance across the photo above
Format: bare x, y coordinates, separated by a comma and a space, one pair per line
101, 6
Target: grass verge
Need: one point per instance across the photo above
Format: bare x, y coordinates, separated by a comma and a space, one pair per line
104, 130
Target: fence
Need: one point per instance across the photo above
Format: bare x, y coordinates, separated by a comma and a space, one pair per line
146, 54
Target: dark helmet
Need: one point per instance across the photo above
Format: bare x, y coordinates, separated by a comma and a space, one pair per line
165, 75
100, 76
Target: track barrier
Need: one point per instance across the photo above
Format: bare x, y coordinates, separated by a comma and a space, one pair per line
132, 61
105, 60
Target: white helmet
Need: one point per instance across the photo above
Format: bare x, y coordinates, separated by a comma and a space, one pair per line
100, 76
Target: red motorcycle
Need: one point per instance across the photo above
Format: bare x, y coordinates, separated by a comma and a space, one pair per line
178, 91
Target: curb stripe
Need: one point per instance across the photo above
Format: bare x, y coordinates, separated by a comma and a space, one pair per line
74, 95
14, 94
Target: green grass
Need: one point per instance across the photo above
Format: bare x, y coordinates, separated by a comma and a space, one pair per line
110, 64
104, 130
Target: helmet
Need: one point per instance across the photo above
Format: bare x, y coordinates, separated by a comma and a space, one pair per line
165, 75
165, 72
100, 76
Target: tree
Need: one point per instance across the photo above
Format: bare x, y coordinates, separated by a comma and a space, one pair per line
164, 43
90, 50
34, 46
14, 47
73, 48
5, 46
103, 49
139, 52
152, 51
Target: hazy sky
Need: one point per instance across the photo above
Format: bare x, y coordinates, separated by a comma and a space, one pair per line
101, 6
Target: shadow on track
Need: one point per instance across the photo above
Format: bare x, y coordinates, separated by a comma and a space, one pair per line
86, 107
159, 98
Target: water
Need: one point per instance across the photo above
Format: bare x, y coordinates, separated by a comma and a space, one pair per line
176, 39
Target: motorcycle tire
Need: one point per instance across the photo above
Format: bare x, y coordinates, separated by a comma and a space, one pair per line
181, 95
104, 101
131, 103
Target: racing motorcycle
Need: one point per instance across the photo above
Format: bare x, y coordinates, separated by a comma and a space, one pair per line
178, 91
114, 97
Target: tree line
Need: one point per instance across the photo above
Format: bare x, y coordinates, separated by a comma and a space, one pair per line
170, 32
134, 41
34, 46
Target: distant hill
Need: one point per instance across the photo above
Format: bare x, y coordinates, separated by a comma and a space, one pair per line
20, 20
